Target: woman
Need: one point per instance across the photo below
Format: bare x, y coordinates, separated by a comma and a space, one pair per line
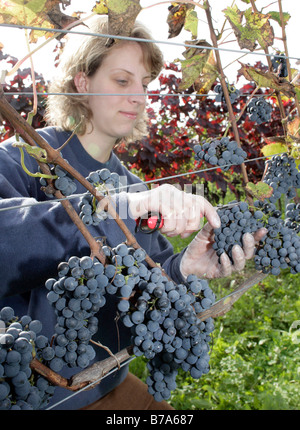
36, 238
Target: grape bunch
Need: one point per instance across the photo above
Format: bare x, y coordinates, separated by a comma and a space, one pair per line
76, 296
79, 293
105, 182
259, 110
292, 216
64, 182
165, 328
282, 175
236, 220
279, 65
20, 387
280, 248
234, 94
222, 153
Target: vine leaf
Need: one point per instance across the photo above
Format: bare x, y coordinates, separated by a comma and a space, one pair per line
268, 80
100, 8
199, 67
250, 28
297, 91
275, 145
276, 17
294, 128
35, 13
182, 16
260, 190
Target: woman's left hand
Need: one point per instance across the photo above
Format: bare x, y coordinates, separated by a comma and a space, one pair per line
201, 259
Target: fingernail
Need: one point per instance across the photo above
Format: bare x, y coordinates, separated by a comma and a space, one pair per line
217, 221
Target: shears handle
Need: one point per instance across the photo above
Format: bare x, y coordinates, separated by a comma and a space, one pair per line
149, 223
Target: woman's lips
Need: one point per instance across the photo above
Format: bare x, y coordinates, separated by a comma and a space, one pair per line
130, 115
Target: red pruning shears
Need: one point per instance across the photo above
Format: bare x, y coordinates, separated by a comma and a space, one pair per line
149, 223
154, 221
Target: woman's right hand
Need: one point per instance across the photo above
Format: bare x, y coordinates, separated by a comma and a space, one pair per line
182, 212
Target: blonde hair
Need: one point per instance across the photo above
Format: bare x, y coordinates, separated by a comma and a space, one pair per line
86, 55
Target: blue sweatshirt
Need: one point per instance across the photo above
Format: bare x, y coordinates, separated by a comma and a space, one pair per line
35, 238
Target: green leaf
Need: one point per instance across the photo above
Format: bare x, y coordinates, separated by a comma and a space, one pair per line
36, 13
199, 67
276, 17
191, 69
100, 7
250, 28
260, 190
273, 149
16, 12
191, 23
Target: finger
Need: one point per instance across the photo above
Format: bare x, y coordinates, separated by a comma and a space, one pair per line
210, 213
238, 257
181, 223
248, 245
226, 266
259, 234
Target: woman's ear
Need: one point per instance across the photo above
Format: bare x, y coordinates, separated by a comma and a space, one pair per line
81, 82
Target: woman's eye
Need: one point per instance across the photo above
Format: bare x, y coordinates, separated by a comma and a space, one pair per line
122, 82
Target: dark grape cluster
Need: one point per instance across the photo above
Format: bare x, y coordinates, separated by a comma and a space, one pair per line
222, 153
105, 182
280, 248
234, 93
20, 387
279, 65
259, 110
77, 295
165, 328
282, 175
65, 182
292, 216
236, 220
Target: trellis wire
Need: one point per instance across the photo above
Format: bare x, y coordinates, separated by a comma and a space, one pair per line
21, 93
195, 172
136, 39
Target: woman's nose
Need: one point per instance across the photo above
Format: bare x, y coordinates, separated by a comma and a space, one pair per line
138, 94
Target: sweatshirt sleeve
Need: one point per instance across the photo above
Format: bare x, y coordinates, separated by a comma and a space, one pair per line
31, 243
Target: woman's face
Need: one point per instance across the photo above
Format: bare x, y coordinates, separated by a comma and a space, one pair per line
123, 73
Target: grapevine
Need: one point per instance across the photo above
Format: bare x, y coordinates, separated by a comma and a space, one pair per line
161, 315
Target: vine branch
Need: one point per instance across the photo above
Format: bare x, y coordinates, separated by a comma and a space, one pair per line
225, 89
